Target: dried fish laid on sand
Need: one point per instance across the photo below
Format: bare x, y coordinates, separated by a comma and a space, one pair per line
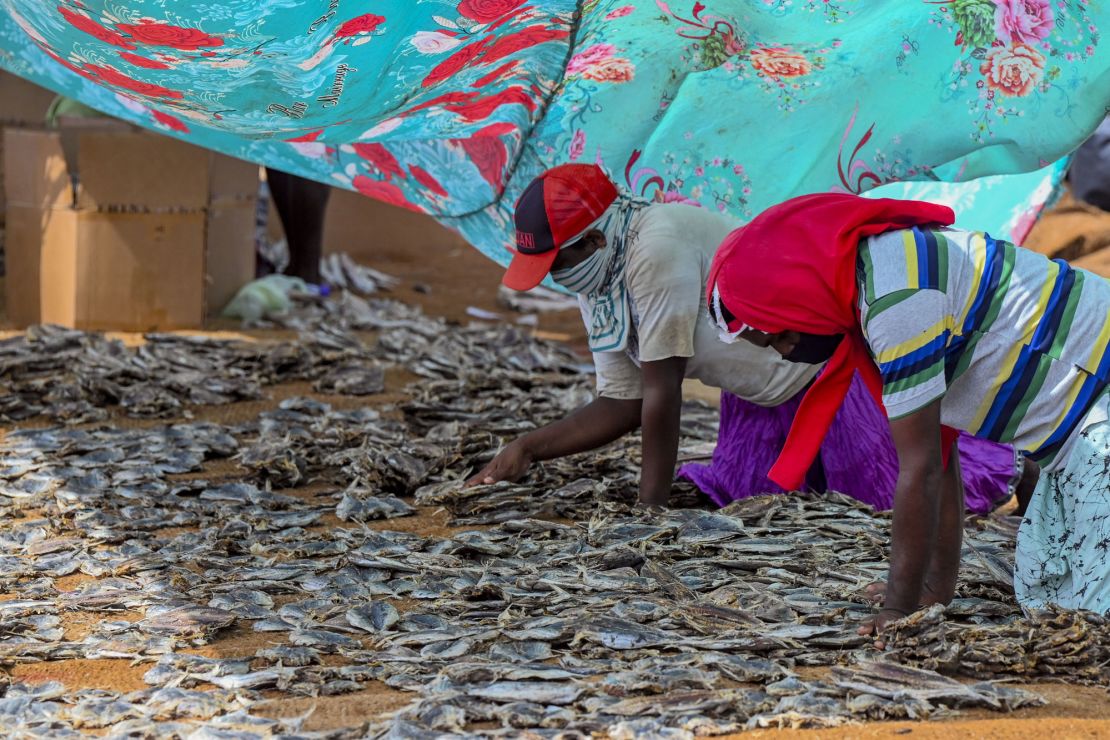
75, 377
553, 606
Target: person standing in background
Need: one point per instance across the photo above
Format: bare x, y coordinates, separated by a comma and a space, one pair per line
301, 205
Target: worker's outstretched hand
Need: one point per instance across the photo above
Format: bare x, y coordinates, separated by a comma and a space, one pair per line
510, 464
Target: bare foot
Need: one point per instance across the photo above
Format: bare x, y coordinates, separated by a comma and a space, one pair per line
876, 594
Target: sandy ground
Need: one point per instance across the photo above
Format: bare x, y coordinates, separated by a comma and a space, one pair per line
1072, 712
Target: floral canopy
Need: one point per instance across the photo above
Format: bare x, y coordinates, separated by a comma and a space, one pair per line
450, 107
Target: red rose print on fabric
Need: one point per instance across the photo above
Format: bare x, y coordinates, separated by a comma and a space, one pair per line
457, 96
421, 176
163, 34
386, 192
485, 11
170, 122
66, 63
484, 107
496, 75
497, 129
356, 26
381, 158
308, 138
455, 62
91, 27
520, 40
489, 155
109, 76
143, 62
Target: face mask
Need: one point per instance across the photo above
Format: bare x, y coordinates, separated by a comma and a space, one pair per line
585, 277
814, 349
721, 317
728, 337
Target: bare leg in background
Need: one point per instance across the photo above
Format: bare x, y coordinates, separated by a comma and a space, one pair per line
301, 205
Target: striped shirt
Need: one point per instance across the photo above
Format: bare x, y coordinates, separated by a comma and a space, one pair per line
1015, 344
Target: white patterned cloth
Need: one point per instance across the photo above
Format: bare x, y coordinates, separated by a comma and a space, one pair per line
1063, 545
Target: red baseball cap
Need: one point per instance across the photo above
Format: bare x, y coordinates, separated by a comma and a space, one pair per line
555, 207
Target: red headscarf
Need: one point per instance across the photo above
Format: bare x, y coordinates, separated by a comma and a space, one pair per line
793, 268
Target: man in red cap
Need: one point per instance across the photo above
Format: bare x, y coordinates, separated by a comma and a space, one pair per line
616, 252
639, 270
556, 210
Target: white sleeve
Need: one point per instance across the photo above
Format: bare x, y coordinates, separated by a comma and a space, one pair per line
617, 376
665, 286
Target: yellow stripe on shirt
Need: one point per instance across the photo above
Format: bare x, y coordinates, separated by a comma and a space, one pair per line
909, 244
1006, 369
919, 341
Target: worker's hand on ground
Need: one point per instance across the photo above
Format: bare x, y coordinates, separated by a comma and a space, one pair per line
876, 625
510, 464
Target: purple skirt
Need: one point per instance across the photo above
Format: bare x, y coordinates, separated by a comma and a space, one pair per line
857, 457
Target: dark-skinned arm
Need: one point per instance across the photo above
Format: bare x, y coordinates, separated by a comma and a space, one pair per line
660, 420
917, 514
944, 566
596, 424
944, 562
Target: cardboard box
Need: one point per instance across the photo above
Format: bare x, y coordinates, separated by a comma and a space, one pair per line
367, 228
105, 271
229, 252
125, 244
23, 105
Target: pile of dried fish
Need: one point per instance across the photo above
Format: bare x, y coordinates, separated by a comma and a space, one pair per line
1044, 645
555, 606
75, 377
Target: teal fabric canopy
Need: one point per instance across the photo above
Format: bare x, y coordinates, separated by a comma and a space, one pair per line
450, 107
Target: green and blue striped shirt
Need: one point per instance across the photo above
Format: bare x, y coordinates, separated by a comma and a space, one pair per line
1014, 343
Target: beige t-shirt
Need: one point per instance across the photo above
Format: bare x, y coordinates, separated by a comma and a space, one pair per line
669, 250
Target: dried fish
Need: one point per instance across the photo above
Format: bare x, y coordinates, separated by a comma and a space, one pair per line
561, 610
356, 508
377, 616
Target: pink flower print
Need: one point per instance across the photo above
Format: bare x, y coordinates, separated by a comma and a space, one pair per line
733, 45
590, 57
738, 169
577, 144
699, 171
620, 12
721, 206
716, 161
1022, 21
